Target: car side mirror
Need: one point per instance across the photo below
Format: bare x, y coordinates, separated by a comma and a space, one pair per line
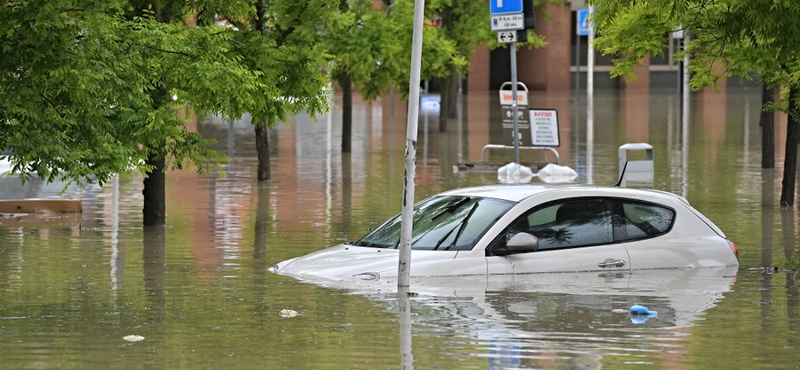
522, 243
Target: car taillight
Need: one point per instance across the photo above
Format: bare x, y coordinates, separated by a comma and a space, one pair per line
735, 251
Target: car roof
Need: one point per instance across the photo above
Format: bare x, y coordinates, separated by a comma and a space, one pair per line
519, 192
514, 193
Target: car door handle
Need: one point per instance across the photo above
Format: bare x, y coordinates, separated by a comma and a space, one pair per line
611, 263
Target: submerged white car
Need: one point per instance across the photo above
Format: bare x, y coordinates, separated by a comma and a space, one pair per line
523, 229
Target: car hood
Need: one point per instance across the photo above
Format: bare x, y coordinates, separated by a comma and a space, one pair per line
350, 263
341, 262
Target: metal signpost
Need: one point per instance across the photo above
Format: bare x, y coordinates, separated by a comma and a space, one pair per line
590, 102
582, 27
507, 15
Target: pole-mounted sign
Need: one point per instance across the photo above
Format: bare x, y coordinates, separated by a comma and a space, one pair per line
505, 6
507, 37
583, 26
515, 16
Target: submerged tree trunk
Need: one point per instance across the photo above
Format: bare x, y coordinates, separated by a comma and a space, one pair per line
262, 148
448, 107
347, 111
155, 181
452, 91
154, 192
767, 122
790, 161
261, 127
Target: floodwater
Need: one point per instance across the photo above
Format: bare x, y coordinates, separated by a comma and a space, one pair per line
73, 289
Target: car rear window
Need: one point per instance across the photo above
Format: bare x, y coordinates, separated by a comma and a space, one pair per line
642, 220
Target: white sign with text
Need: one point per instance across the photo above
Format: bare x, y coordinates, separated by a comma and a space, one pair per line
544, 127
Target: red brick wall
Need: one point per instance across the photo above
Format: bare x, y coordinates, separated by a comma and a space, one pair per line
478, 75
548, 68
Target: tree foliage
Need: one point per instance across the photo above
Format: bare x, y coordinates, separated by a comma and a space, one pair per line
374, 46
77, 79
366, 45
286, 53
728, 37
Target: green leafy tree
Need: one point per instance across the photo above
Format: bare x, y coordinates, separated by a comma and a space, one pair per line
93, 89
366, 49
87, 91
372, 48
281, 44
727, 37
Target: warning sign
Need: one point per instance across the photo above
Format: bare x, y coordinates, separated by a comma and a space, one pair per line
544, 127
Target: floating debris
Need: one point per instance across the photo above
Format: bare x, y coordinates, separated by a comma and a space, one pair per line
640, 314
287, 313
133, 338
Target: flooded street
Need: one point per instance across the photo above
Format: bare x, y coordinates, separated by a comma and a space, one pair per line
72, 288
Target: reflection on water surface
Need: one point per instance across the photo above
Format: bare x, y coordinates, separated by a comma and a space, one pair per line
200, 293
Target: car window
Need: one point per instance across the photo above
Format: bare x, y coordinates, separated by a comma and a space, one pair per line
442, 223
642, 220
567, 224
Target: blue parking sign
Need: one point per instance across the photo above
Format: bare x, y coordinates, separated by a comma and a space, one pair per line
505, 6
583, 26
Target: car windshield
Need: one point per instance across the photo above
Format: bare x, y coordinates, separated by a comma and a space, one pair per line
442, 223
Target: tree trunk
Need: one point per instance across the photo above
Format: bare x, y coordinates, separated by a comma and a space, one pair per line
448, 107
452, 91
444, 103
262, 148
347, 111
155, 182
262, 132
790, 161
767, 122
155, 200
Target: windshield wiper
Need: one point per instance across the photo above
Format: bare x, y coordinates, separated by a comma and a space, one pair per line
452, 207
368, 244
460, 226
463, 225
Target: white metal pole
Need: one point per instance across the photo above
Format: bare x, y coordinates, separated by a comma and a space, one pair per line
685, 118
407, 214
514, 108
590, 102
114, 235
686, 80
404, 305
577, 68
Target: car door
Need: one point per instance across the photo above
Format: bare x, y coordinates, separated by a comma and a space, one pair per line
574, 234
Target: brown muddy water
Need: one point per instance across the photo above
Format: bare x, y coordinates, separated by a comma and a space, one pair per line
74, 289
